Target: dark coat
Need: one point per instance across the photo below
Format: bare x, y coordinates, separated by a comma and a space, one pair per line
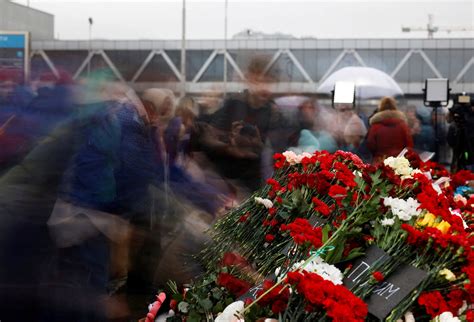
258, 124
388, 134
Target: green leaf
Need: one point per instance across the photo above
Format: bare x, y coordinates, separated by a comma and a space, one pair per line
296, 197
193, 317
218, 308
216, 293
325, 231
284, 215
356, 252
177, 297
206, 304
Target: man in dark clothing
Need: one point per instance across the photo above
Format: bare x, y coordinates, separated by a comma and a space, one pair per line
236, 134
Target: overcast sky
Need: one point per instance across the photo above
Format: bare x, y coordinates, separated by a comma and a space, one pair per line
161, 19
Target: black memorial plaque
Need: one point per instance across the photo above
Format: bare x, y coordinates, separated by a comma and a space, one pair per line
394, 289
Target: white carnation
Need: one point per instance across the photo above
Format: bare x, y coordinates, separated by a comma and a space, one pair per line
387, 221
323, 269
403, 209
231, 312
409, 317
446, 317
293, 158
267, 203
401, 166
463, 308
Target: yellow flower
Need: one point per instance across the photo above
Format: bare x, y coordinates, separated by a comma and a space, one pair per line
443, 227
428, 220
447, 274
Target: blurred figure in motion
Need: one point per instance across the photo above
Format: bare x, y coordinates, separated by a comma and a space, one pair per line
388, 133
14, 97
348, 128
235, 135
423, 139
313, 136
208, 104
53, 102
27, 119
14, 93
32, 165
439, 121
104, 187
180, 200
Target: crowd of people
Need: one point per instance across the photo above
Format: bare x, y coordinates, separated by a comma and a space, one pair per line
105, 193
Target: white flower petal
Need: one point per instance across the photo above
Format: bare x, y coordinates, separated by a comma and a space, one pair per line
230, 312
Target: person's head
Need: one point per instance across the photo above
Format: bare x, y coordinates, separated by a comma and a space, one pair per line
187, 109
258, 80
414, 123
159, 104
307, 113
387, 104
344, 111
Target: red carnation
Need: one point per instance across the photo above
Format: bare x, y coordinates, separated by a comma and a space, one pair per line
278, 306
234, 285
433, 302
269, 238
321, 207
470, 315
378, 276
244, 217
173, 304
233, 259
337, 192
303, 232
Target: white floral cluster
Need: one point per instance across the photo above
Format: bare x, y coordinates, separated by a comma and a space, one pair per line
387, 221
232, 313
403, 209
401, 166
293, 158
446, 317
319, 266
267, 203
407, 317
443, 317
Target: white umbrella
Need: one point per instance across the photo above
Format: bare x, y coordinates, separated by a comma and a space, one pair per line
369, 82
291, 101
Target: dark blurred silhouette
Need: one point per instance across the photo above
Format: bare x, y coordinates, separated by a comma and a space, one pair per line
235, 135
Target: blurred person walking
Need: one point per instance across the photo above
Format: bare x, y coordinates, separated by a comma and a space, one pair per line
312, 135
238, 131
348, 128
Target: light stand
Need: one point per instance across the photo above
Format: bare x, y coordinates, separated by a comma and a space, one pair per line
436, 94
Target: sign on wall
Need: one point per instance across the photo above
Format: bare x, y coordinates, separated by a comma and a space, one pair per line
14, 54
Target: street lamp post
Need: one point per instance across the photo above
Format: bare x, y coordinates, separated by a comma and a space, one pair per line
91, 22
183, 51
225, 48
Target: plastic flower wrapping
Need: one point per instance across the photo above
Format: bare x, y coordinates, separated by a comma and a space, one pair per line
330, 238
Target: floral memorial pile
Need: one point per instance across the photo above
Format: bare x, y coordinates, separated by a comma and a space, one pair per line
330, 238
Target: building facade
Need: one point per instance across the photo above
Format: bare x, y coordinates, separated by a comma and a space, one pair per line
301, 64
16, 17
